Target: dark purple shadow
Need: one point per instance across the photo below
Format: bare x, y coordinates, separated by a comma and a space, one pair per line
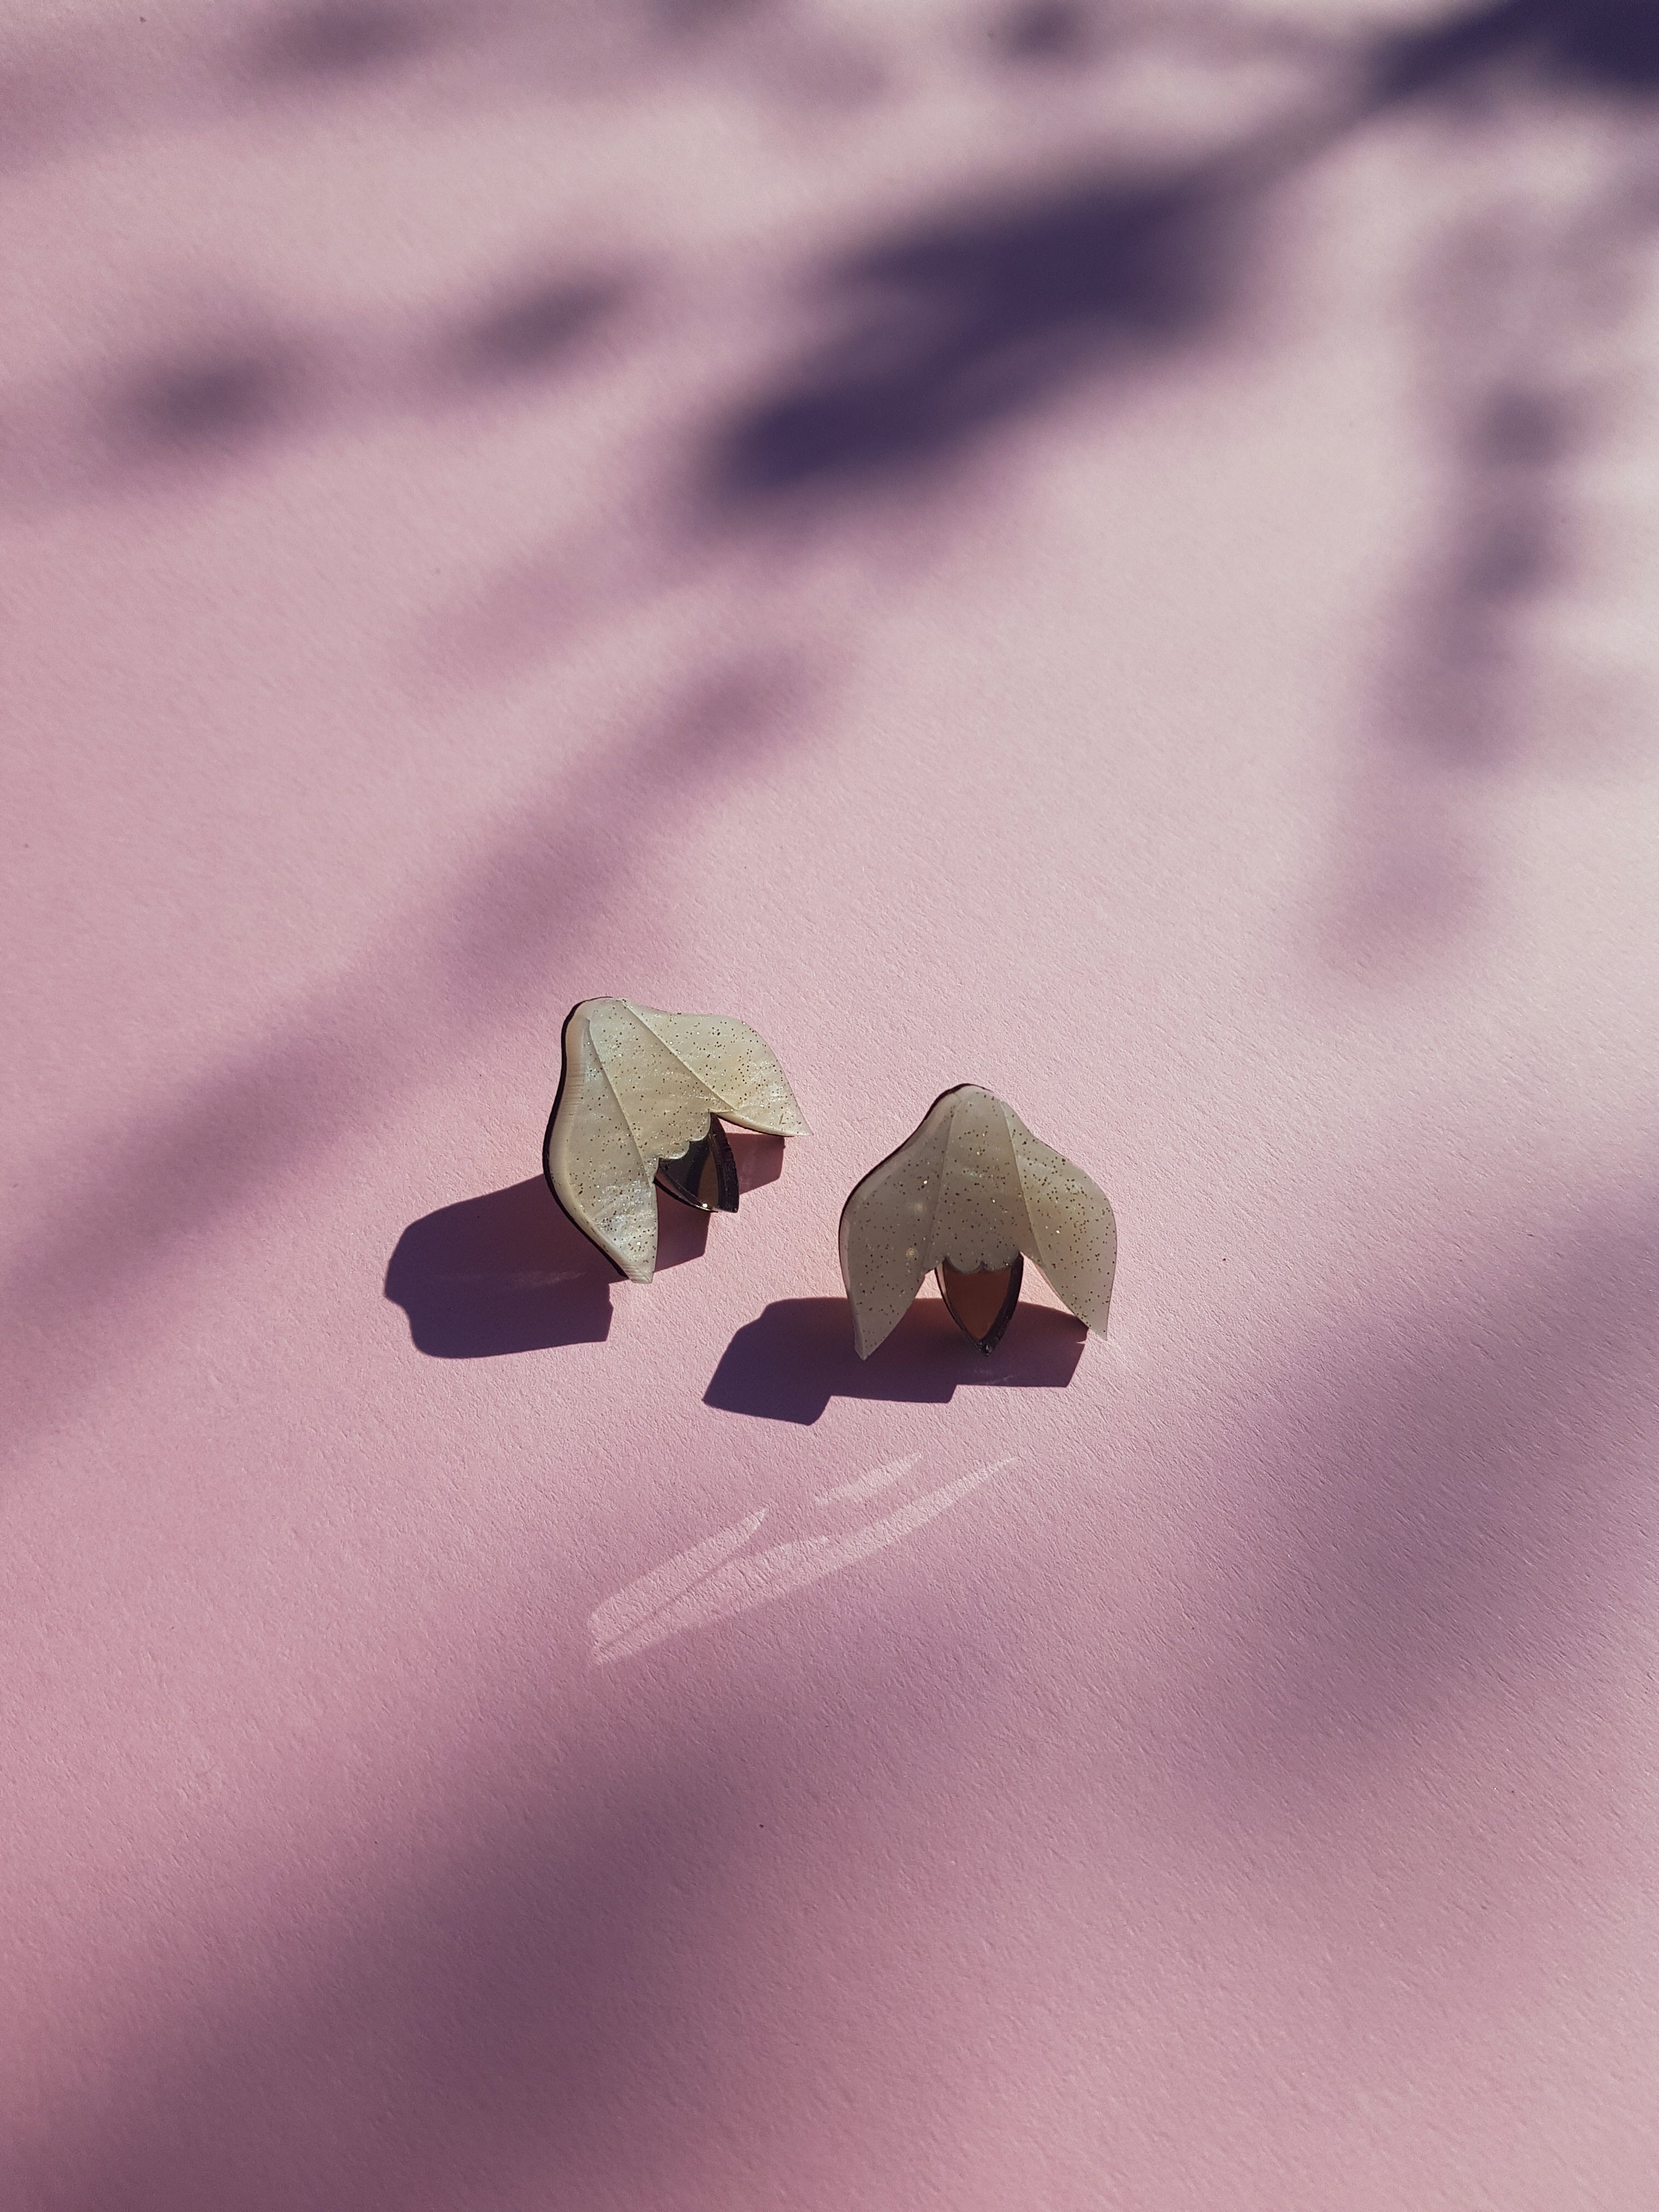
787, 1365
507, 1271
510, 1272
1605, 46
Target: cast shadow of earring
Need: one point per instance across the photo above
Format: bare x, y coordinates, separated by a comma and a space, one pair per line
509, 1271
788, 1363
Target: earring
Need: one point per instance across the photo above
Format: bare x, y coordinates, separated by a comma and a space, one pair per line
640, 1097
972, 1193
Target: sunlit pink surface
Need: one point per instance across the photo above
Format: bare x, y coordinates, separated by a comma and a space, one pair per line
531, 1741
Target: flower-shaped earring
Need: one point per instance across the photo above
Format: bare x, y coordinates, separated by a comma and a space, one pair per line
642, 1098
971, 1195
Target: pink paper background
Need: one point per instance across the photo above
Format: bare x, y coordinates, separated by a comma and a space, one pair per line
1172, 641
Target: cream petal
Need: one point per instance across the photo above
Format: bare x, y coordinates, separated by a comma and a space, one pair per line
638, 1087
972, 1186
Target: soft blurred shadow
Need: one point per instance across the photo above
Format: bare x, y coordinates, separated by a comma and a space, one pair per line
96, 82
1504, 654
1055, 32
223, 396
560, 1992
1443, 1511
964, 320
788, 1363
944, 325
968, 316
481, 950
186, 401
1393, 1552
540, 1994
531, 325
1610, 46
349, 38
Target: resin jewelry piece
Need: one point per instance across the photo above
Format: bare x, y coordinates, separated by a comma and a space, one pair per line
639, 1093
965, 1195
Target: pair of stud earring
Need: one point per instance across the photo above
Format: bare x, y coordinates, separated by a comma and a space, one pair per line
969, 1196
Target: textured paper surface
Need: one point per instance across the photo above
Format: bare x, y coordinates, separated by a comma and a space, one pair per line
1107, 555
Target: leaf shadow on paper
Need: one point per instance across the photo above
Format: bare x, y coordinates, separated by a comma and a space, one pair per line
549, 1967
477, 951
